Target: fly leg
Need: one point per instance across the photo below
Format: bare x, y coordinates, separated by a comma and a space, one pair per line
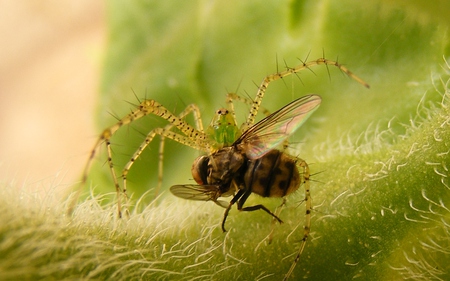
277, 214
260, 207
227, 210
254, 208
242, 196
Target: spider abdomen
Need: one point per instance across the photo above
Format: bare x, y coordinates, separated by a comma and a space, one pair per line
273, 175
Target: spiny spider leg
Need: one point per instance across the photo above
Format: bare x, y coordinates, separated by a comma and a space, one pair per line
234, 97
289, 71
193, 137
308, 208
266, 112
165, 133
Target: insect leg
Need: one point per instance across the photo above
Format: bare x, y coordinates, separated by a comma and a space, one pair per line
292, 70
277, 213
307, 225
254, 208
265, 111
192, 108
145, 108
164, 133
232, 96
105, 137
227, 210
260, 207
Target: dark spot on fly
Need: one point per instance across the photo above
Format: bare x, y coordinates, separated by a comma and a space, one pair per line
277, 172
272, 157
282, 185
265, 184
289, 165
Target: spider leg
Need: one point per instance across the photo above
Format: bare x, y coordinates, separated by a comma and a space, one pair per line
307, 225
289, 71
235, 97
198, 124
265, 111
165, 133
192, 136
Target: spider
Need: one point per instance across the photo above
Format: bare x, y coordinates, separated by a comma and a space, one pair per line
238, 161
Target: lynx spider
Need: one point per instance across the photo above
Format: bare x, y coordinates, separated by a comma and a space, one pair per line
195, 137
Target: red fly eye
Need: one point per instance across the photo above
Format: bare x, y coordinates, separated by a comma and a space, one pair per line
199, 170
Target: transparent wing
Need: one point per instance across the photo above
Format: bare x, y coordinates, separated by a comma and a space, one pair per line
199, 193
275, 128
196, 192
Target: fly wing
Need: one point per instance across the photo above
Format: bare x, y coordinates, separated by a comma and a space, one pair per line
199, 193
195, 192
275, 128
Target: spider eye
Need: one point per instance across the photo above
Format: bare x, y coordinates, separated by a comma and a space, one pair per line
199, 170
222, 111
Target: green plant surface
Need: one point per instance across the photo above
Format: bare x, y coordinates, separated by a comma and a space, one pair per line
379, 157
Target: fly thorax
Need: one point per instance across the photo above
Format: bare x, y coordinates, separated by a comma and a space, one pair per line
218, 168
224, 165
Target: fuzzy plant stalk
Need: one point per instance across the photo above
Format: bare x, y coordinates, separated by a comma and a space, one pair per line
379, 158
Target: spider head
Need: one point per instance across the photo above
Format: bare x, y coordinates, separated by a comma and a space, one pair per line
223, 129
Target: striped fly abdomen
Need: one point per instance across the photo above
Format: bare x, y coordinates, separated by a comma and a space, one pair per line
273, 175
